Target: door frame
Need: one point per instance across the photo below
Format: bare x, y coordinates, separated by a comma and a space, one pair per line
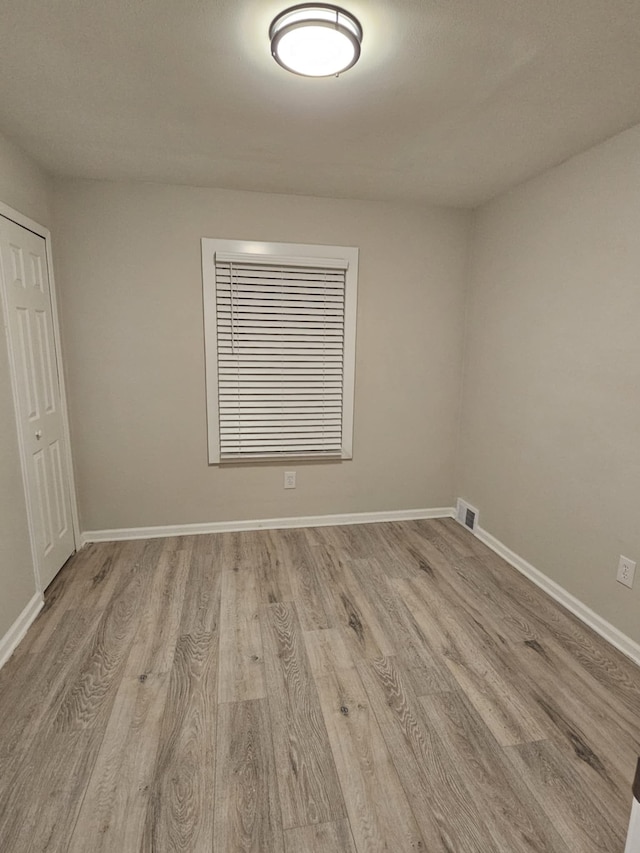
41, 231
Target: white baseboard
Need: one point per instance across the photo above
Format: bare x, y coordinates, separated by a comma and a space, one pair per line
633, 834
610, 633
16, 632
123, 533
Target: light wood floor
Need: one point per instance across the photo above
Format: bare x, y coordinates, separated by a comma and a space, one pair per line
389, 687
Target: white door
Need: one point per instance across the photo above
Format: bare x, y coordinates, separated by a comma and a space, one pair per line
29, 320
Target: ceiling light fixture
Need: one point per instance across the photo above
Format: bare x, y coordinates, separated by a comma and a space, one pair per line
315, 40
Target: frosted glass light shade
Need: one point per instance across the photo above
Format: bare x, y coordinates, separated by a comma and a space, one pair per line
315, 40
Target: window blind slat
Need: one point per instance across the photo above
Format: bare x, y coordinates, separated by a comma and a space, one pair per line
301, 290
300, 323
247, 260
254, 426
278, 362
281, 456
285, 445
276, 415
309, 339
281, 396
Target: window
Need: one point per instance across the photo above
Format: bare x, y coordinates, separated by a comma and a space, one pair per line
280, 349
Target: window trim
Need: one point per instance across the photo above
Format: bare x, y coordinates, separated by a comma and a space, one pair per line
270, 250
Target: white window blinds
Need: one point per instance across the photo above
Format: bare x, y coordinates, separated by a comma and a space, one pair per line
280, 328
280, 348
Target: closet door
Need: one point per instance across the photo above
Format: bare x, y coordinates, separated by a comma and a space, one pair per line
29, 321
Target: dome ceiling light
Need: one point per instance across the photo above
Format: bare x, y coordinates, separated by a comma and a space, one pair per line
315, 40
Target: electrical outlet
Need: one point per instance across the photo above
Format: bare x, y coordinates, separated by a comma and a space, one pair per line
289, 479
626, 571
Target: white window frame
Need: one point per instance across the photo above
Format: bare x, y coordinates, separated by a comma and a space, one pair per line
264, 250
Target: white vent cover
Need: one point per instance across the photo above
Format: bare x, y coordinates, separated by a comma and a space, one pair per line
466, 514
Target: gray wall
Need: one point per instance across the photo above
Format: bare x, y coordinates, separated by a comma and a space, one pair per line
550, 448
25, 188
130, 291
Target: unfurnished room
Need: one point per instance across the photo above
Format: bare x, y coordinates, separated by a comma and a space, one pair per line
319, 426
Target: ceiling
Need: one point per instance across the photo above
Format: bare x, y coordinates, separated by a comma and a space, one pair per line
452, 102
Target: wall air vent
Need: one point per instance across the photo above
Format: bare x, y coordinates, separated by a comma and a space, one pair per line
466, 515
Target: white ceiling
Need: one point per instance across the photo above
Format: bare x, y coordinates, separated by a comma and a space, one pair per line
452, 101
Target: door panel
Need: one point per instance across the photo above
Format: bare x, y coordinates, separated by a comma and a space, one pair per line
23, 262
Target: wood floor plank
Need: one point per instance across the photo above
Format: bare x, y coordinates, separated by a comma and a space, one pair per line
497, 790
465, 581
609, 710
28, 696
604, 661
406, 553
311, 596
594, 737
84, 697
432, 782
605, 672
386, 544
229, 547
48, 792
458, 534
349, 609
77, 587
241, 674
349, 541
454, 530
485, 601
181, 795
45, 792
565, 800
379, 812
327, 651
426, 680
499, 697
394, 617
69, 592
321, 838
274, 582
247, 814
113, 812
309, 789
264, 552
155, 640
201, 605
444, 537
475, 589
136, 557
